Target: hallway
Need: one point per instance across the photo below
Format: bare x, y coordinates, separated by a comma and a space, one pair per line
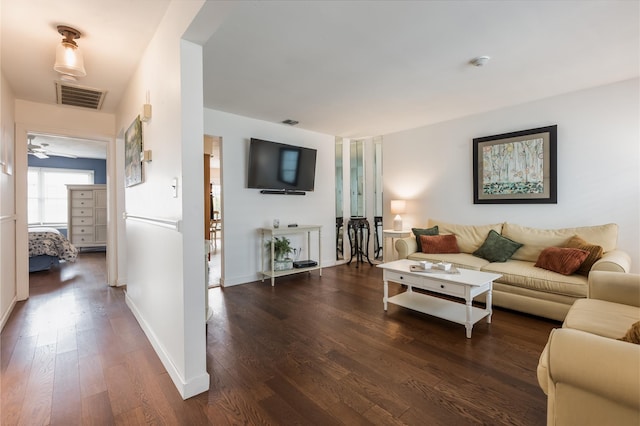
73, 353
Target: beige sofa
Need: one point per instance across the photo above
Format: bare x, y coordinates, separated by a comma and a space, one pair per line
590, 377
524, 287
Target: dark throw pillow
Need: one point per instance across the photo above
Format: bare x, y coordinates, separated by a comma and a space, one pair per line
434, 244
561, 259
497, 248
595, 253
423, 231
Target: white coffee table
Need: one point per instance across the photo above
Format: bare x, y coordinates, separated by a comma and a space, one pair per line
466, 285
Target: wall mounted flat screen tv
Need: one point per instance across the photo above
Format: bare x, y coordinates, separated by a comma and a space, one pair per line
281, 167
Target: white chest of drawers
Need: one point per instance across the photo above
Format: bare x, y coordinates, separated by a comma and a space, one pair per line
87, 207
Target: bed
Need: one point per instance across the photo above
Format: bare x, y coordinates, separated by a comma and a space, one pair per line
47, 246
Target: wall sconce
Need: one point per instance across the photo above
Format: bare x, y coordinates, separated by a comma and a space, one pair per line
146, 156
69, 61
398, 207
145, 113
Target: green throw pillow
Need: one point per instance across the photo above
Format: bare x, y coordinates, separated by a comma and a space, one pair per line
497, 248
423, 231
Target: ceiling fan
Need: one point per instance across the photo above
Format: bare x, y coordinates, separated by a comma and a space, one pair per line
41, 150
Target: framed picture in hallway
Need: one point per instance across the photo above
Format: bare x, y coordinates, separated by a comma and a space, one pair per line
516, 168
132, 154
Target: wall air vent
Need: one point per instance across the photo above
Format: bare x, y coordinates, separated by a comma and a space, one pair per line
79, 96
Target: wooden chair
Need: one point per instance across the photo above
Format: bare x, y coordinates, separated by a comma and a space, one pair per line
215, 228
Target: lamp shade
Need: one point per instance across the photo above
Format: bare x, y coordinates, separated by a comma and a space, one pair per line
398, 206
69, 60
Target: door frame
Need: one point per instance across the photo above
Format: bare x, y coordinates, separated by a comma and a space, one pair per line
21, 200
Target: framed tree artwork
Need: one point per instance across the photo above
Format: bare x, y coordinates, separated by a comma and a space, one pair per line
516, 168
132, 154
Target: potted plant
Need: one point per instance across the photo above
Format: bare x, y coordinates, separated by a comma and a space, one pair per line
281, 248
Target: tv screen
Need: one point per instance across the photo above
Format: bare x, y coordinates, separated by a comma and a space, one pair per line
278, 166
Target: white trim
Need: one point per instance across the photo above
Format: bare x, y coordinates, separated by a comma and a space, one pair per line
193, 387
7, 314
164, 223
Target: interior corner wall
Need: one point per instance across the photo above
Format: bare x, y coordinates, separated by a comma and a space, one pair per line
245, 210
163, 293
8, 281
598, 165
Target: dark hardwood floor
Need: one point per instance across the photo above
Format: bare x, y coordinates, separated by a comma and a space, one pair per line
311, 350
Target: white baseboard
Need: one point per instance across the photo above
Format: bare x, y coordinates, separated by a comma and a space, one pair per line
7, 314
187, 389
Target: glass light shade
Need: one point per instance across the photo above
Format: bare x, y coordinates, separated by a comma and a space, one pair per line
69, 60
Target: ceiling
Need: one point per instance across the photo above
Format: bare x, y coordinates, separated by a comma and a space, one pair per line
352, 69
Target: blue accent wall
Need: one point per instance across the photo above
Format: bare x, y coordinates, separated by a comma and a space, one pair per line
99, 167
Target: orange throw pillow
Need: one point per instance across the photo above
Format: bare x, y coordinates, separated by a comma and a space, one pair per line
633, 334
434, 244
595, 253
561, 259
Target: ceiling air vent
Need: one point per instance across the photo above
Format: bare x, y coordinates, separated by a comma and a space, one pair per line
73, 95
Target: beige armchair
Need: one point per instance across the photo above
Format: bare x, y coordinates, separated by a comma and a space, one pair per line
590, 377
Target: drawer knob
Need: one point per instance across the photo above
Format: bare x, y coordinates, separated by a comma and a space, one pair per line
441, 285
401, 277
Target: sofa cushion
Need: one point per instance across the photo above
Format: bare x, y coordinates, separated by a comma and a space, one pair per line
459, 260
595, 253
561, 259
469, 237
535, 240
497, 248
423, 231
523, 274
439, 244
607, 319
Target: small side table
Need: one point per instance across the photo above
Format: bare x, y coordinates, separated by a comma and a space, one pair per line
390, 233
358, 228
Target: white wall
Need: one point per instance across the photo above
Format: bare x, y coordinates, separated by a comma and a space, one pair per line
598, 165
165, 266
8, 283
245, 210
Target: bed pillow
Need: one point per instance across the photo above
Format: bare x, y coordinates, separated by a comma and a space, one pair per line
563, 260
595, 253
436, 244
497, 248
423, 231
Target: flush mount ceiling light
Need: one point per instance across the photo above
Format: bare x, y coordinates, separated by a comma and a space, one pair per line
69, 61
479, 61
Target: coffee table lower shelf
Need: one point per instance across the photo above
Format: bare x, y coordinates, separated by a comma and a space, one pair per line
441, 308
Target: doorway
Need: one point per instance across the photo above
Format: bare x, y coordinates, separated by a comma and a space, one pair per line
57, 166
214, 207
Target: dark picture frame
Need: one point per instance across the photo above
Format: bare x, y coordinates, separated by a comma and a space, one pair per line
132, 154
516, 168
